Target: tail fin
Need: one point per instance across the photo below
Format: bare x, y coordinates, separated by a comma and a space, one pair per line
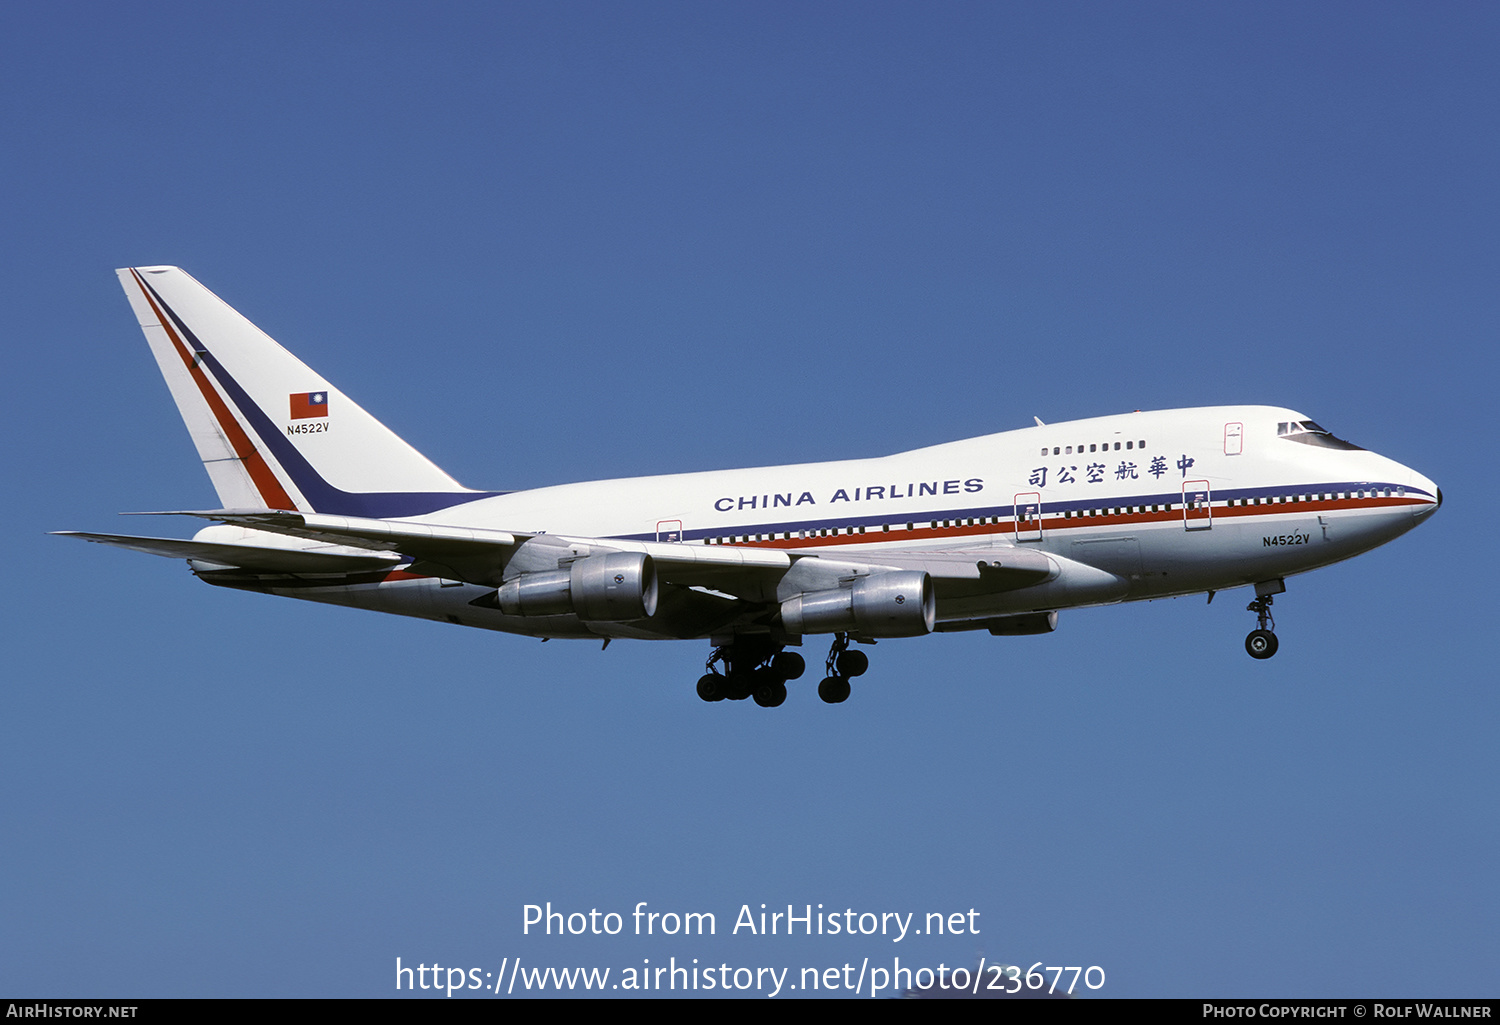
272, 433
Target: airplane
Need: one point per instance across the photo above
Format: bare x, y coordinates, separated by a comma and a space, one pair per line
999, 533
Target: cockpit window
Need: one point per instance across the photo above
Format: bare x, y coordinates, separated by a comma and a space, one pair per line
1308, 433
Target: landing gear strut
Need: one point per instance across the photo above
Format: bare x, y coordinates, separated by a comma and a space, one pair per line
754, 666
842, 664
1261, 642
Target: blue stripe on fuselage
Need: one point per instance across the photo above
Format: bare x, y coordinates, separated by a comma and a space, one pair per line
1052, 511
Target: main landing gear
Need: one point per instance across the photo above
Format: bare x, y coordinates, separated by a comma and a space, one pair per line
1261, 642
756, 667
842, 664
753, 667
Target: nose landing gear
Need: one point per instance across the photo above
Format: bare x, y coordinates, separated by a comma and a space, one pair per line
1261, 642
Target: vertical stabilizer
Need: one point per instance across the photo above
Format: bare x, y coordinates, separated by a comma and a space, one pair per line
271, 432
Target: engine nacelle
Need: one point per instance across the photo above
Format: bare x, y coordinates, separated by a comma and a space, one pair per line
598, 589
898, 603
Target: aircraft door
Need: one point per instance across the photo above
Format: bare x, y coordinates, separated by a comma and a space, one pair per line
1234, 439
1029, 516
1197, 505
669, 530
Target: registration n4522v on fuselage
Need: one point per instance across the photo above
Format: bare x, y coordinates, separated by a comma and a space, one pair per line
321, 501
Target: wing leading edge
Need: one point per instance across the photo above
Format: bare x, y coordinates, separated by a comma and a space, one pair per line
253, 558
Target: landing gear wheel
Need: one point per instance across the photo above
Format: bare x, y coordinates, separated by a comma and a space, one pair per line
852, 663
1261, 643
770, 692
834, 690
738, 686
711, 687
789, 665
844, 662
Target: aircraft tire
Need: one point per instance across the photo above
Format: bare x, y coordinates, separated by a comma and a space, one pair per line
852, 663
738, 686
710, 687
834, 690
789, 665
1261, 643
770, 693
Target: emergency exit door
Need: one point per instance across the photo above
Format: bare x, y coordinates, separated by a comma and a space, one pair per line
1029, 516
1197, 505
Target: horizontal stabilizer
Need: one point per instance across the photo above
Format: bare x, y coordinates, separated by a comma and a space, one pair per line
246, 557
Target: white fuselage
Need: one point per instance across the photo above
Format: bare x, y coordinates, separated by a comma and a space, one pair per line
1166, 503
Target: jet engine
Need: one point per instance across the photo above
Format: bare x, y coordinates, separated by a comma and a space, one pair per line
896, 603
598, 588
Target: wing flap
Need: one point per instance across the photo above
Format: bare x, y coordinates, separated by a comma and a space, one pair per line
479, 556
471, 554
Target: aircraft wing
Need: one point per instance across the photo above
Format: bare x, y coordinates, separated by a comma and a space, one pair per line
480, 556
257, 559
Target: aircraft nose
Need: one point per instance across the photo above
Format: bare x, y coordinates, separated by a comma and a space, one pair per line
1422, 484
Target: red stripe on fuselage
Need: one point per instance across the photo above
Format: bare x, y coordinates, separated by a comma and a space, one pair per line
874, 535
271, 491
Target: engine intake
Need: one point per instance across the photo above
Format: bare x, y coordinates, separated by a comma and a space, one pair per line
899, 603
599, 589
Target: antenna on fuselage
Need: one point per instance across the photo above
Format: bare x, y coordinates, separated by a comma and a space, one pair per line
1038, 421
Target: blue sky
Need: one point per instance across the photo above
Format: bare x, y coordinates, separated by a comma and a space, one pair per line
568, 241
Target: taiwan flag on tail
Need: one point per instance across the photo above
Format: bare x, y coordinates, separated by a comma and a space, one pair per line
309, 404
